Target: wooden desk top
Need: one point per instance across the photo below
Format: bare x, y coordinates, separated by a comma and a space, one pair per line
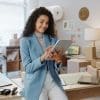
73, 90
72, 79
77, 91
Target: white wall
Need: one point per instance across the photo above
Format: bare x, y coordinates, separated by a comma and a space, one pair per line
71, 10
11, 20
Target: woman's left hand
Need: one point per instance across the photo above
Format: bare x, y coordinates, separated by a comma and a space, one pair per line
57, 56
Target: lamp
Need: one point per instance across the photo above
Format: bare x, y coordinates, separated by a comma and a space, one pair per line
91, 34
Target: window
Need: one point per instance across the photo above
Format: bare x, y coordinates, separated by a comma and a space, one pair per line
11, 19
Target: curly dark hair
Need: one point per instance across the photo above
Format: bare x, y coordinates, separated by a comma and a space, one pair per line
30, 25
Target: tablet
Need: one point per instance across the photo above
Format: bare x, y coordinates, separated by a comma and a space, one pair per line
62, 45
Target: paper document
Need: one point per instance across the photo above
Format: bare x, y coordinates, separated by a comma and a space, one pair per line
4, 81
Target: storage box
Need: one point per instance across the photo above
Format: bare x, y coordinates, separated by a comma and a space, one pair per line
90, 53
94, 61
98, 64
93, 71
77, 65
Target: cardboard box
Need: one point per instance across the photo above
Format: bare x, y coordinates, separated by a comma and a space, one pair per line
90, 53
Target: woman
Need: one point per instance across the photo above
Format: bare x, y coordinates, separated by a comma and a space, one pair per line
40, 64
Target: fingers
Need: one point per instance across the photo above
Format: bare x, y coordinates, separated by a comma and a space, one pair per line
48, 55
49, 48
56, 55
49, 52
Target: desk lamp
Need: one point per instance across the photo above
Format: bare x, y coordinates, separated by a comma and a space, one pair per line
91, 34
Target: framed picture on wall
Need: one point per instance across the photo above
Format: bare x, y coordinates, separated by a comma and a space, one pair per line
83, 13
67, 25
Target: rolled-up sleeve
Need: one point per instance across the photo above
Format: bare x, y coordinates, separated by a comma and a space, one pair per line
28, 64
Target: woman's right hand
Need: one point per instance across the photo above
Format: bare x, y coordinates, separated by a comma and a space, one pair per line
47, 54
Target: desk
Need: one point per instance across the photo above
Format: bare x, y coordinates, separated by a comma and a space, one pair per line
73, 90
78, 91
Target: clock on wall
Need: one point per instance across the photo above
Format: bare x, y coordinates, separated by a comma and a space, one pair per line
83, 13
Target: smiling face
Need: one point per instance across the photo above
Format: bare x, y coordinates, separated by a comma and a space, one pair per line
41, 24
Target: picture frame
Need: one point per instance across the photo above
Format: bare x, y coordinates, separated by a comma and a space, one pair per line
67, 25
83, 13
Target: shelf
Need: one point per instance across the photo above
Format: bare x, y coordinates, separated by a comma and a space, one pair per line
13, 58
14, 61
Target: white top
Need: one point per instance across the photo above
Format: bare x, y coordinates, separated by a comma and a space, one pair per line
40, 38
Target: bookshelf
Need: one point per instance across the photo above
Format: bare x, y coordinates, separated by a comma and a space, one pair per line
13, 58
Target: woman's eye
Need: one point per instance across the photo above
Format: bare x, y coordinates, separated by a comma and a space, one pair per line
47, 23
41, 22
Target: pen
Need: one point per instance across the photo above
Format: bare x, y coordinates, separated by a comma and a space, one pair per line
6, 85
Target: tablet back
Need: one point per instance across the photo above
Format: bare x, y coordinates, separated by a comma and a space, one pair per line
62, 45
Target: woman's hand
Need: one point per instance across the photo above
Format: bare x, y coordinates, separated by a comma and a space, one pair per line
47, 54
57, 56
